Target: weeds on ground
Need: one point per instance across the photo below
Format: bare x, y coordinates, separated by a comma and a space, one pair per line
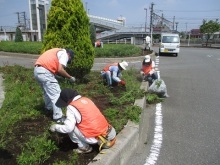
36, 150
24, 102
152, 98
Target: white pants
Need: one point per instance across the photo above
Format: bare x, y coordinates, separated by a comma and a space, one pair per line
51, 90
77, 137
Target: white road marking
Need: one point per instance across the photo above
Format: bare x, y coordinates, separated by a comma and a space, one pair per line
158, 137
158, 133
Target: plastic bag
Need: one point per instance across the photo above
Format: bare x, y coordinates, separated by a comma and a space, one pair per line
158, 87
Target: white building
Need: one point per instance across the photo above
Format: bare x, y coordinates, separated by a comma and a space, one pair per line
38, 10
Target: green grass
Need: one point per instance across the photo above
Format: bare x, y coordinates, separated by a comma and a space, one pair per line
118, 50
23, 101
21, 47
109, 50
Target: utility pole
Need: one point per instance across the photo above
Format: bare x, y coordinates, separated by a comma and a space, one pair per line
173, 23
145, 20
18, 18
176, 25
161, 25
151, 20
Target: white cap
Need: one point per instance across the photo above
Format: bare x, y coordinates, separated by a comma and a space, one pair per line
123, 64
147, 58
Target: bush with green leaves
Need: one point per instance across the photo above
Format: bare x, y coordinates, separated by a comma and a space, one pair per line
18, 35
68, 27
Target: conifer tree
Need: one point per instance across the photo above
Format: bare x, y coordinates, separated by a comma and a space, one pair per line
18, 35
68, 27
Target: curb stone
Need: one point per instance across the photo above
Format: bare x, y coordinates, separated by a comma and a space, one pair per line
126, 140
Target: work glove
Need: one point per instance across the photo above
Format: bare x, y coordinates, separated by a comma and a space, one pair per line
122, 82
72, 79
53, 128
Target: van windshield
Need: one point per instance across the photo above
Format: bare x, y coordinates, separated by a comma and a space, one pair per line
170, 39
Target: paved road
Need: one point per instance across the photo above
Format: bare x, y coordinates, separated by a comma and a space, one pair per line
190, 116
28, 60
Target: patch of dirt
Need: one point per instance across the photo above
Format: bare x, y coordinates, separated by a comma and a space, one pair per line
34, 127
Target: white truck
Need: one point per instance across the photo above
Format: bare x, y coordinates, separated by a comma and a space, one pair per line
169, 44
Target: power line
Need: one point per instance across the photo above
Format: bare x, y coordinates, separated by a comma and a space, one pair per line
191, 10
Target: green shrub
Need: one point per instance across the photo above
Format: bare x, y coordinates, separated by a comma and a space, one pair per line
68, 27
18, 35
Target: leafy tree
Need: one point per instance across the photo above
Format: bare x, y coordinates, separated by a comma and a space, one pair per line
92, 34
208, 28
18, 35
68, 27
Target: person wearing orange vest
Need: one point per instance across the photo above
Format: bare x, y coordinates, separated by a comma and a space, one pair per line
112, 73
99, 44
148, 72
48, 65
84, 122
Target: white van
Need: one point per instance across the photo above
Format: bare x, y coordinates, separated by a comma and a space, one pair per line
170, 43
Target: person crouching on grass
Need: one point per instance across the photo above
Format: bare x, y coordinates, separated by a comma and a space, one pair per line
112, 73
148, 72
84, 123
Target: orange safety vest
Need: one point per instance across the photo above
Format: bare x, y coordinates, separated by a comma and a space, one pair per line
49, 60
93, 122
98, 43
146, 69
106, 68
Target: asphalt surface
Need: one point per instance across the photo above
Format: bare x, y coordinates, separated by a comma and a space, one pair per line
127, 139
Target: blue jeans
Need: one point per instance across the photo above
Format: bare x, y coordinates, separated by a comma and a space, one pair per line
107, 75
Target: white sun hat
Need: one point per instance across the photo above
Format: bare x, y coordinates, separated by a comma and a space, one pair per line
123, 65
147, 58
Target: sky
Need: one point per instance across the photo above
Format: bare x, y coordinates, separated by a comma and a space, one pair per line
188, 13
